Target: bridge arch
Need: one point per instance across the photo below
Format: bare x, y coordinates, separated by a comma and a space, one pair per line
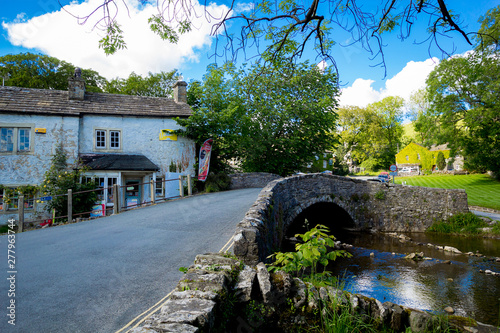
383, 207
324, 212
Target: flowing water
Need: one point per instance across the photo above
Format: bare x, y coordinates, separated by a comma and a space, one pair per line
378, 269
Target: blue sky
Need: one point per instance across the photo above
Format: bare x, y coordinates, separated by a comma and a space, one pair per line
40, 26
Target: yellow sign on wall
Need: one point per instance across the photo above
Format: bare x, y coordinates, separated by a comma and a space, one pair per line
167, 135
40, 130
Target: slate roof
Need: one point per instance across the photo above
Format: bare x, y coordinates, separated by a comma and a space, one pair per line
440, 147
56, 102
118, 162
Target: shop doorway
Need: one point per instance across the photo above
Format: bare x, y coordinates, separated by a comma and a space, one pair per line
132, 193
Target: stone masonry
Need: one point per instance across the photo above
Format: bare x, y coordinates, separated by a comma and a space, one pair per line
196, 304
375, 206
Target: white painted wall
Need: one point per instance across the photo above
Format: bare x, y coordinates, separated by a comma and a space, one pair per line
140, 135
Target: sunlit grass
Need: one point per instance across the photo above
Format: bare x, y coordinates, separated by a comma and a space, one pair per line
482, 190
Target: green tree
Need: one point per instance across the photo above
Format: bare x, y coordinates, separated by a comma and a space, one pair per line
153, 85
354, 124
386, 130
464, 93
272, 118
371, 135
40, 71
59, 179
465, 109
489, 34
418, 108
440, 161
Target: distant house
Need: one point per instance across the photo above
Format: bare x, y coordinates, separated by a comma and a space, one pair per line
323, 162
419, 158
124, 140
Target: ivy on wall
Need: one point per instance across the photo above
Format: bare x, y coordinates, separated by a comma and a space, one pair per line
418, 154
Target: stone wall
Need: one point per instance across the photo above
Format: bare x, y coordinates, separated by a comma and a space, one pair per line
371, 205
216, 282
251, 180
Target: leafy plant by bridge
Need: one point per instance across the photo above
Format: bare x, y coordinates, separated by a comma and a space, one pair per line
315, 250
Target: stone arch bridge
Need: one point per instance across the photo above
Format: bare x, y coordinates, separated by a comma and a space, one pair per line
366, 205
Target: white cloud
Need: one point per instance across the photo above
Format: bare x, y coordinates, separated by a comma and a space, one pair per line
59, 35
411, 78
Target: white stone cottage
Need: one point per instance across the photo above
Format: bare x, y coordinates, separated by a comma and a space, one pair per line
125, 140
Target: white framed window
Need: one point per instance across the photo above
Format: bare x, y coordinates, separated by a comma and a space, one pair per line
100, 139
6, 139
16, 138
107, 139
114, 139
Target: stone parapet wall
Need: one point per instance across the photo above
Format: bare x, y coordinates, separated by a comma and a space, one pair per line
251, 180
371, 205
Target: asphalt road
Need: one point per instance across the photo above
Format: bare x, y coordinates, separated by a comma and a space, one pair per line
96, 276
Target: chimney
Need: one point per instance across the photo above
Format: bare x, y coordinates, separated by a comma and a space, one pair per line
180, 94
76, 86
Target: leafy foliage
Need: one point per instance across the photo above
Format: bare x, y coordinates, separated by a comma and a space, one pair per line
371, 135
43, 72
440, 161
272, 118
113, 41
463, 223
465, 109
464, 98
270, 27
58, 179
317, 248
153, 85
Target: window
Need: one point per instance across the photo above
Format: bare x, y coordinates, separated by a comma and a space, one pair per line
418, 156
115, 139
159, 187
107, 139
24, 139
111, 181
407, 157
15, 139
7, 139
100, 139
9, 200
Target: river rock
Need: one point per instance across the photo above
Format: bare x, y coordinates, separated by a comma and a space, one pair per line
451, 249
449, 310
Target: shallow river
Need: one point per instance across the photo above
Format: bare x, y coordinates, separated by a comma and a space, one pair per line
429, 285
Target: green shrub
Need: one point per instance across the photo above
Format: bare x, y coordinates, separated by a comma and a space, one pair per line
313, 251
380, 195
217, 182
462, 223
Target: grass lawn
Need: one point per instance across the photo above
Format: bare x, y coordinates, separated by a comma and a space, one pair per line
482, 190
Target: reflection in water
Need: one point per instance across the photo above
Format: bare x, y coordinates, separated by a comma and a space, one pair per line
429, 285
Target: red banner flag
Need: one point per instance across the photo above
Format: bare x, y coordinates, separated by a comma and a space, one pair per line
204, 160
